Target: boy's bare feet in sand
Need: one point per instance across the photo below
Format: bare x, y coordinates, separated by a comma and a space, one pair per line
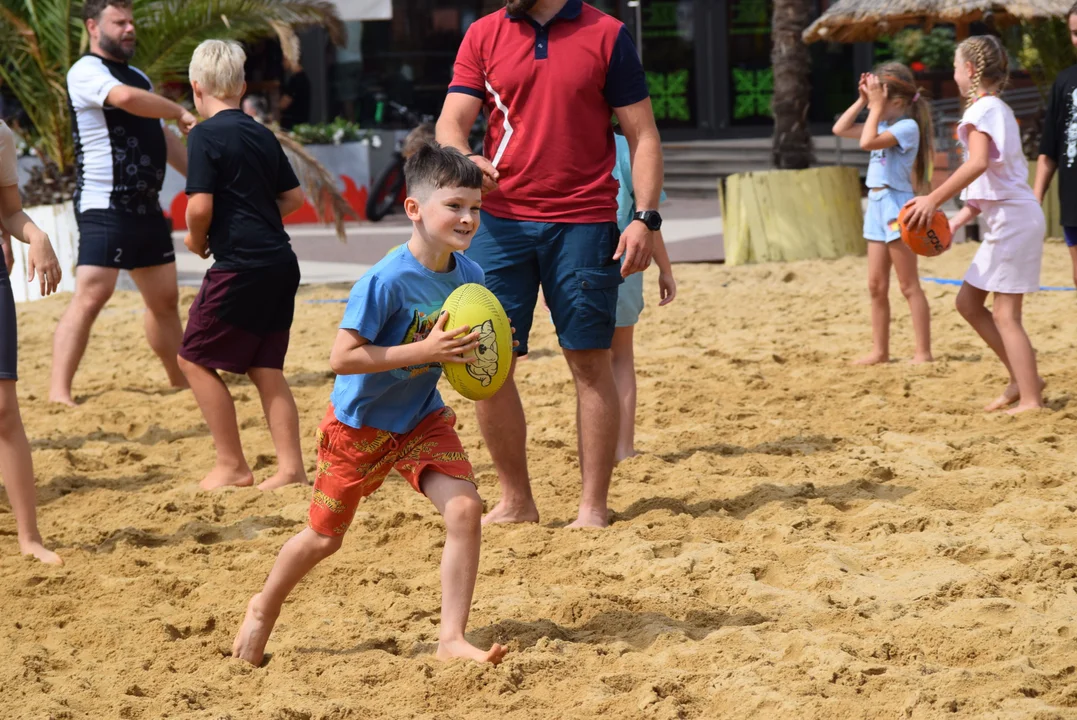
222, 476
39, 551
874, 358
1011, 395
503, 512
624, 455
921, 359
461, 648
250, 642
282, 478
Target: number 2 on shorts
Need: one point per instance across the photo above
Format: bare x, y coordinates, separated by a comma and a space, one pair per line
119, 251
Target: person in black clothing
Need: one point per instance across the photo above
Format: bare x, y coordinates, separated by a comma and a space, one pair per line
240, 188
295, 97
1058, 147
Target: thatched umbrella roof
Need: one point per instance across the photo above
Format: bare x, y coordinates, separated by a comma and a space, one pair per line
850, 21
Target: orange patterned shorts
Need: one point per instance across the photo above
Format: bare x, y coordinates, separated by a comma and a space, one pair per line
354, 463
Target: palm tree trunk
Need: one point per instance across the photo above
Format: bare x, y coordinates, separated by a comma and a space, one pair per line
792, 85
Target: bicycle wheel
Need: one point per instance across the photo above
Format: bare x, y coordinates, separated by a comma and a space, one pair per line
385, 192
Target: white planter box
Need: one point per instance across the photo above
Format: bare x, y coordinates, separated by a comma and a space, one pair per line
58, 222
350, 159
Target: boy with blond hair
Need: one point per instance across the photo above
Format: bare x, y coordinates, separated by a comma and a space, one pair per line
385, 412
240, 187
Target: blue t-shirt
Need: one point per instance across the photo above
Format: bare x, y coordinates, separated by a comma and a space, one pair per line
622, 171
397, 302
892, 167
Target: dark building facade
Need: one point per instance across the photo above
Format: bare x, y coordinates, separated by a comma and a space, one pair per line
707, 63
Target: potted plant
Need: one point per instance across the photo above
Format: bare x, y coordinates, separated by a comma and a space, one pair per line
41, 41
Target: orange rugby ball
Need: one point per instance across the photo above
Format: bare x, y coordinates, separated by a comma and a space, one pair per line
933, 240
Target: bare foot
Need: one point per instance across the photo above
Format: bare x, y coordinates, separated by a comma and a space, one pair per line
250, 642
461, 648
1024, 407
62, 399
873, 359
1011, 395
284, 478
504, 513
921, 359
39, 551
220, 477
591, 519
624, 454
1008, 397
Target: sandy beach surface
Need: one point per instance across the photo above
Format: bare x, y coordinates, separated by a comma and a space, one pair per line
799, 538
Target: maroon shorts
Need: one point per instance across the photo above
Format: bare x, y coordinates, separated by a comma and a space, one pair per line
240, 319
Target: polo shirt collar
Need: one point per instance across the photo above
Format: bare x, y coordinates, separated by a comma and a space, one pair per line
570, 11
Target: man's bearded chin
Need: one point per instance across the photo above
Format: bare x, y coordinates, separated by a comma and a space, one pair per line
519, 7
115, 47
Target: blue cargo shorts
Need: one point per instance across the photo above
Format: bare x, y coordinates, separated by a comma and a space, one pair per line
573, 262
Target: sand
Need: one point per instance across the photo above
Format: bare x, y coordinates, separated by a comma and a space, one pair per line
798, 536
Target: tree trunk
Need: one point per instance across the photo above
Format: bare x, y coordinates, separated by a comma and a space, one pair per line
792, 85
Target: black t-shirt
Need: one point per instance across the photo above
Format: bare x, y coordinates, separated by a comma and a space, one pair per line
297, 87
242, 164
1059, 140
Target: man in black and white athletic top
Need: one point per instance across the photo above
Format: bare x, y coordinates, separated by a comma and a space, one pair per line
121, 147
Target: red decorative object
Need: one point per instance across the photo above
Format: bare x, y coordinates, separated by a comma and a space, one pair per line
918, 67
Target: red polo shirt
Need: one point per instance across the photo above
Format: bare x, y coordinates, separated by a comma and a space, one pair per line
549, 91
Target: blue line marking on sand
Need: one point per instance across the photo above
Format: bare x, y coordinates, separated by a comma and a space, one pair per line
947, 281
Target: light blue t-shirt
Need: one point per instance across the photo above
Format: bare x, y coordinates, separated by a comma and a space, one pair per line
622, 170
397, 302
892, 167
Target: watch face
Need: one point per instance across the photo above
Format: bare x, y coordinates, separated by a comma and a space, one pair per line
653, 220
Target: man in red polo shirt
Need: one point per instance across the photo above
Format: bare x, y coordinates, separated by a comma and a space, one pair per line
549, 74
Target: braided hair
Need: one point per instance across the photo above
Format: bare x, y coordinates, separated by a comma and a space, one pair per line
990, 64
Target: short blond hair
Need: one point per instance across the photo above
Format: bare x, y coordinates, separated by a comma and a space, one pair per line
217, 67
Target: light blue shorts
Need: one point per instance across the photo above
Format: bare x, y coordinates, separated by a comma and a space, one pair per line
630, 300
884, 206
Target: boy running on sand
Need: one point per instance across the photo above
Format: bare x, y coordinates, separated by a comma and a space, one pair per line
385, 412
240, 186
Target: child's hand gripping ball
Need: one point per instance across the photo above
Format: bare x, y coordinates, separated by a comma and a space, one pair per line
929, 241
476, 307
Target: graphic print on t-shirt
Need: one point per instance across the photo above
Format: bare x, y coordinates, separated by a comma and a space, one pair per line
423, 320
120, 158
1071, 132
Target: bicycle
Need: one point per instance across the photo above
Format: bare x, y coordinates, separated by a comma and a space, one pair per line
386, 192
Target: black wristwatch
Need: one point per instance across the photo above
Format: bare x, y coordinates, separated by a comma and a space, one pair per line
650, 218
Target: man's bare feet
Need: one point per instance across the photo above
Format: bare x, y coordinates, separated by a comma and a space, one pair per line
461, 648
874, 358
62, 399
221, 476
505, 513
282, 478
591, 519
39, 551
250, 642
921, 359
624, 454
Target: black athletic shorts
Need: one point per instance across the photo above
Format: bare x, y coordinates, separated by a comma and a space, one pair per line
108, 238
9, 340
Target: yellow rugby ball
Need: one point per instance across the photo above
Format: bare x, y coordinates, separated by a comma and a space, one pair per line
478, 308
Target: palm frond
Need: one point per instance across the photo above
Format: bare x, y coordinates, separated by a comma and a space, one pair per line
319, 185
169, 30
35, 75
